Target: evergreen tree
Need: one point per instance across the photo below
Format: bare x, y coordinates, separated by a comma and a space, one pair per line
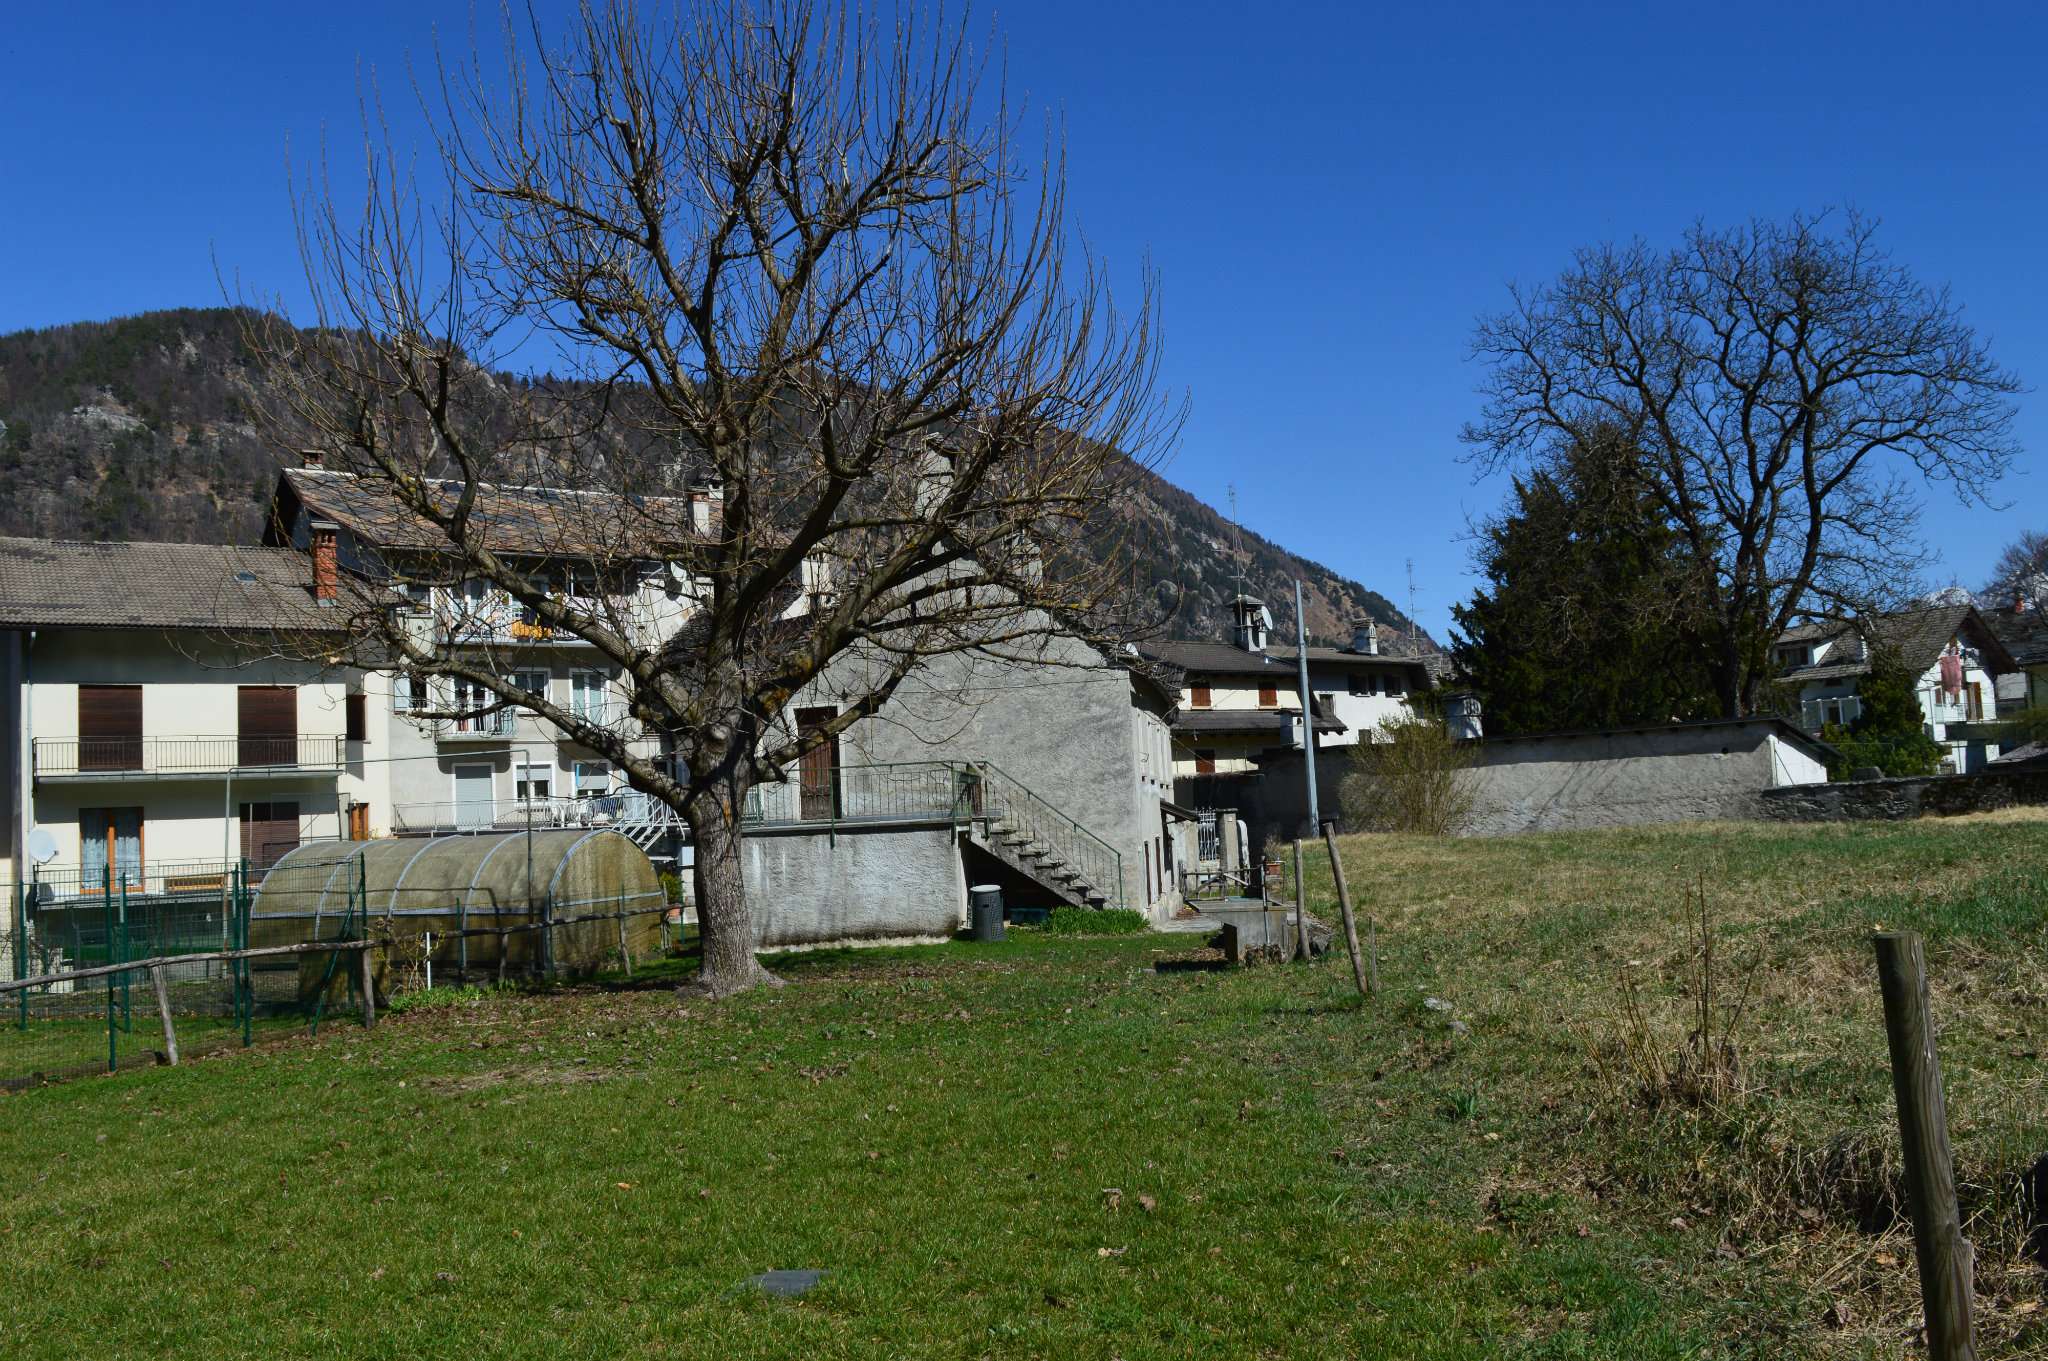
1891, 732
1583, 620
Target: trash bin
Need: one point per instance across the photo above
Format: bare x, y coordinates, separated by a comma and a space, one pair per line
985, 911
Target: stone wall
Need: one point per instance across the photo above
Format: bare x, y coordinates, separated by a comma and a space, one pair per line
1931, 795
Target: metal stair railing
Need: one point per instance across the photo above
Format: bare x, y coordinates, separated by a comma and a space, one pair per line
1006, 800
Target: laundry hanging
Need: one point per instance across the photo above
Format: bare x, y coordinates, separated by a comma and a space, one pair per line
1951, 674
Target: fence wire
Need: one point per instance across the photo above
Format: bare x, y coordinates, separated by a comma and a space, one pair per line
69, 1027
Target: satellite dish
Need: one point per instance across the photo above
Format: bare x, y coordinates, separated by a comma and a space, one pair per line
1266, 617
42, 847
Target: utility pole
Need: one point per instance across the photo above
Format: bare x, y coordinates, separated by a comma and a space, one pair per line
1308, 712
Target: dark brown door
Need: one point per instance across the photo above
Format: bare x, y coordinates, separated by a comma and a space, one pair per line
268, 734
359, 822
268, 831
110, 727
820, 774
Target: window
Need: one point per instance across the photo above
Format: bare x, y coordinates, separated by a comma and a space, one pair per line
110, 727
532, 782
110, 846
1793, 654
534, 682
593, 778
1205, 762
267, 729
356, 717
587, 696
268, 831
1975, 692
470, 698
1269, 697
1198, 697
407, 692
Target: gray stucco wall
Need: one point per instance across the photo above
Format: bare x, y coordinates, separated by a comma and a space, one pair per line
1877, 800
1058, 720
1620, 779
872, 884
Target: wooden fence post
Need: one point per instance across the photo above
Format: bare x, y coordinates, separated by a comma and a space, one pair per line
1300, 895
163, 1009
1344, 906
369, 985
1945, 1257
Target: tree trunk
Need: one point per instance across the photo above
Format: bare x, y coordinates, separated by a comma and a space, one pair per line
725, 925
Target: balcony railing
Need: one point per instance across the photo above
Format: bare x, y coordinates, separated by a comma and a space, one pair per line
66, 756
623, 809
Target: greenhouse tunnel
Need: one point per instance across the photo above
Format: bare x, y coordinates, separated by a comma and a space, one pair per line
463, 889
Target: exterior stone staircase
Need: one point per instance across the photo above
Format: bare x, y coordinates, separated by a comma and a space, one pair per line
1037, 840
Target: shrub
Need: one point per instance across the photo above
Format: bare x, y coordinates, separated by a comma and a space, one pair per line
1409, 778
1096, 921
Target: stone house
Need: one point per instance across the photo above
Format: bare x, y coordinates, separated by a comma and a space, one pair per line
1951, 651
1237, 743
1048, 771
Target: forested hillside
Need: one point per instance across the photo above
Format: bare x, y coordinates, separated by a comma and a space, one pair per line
141, 428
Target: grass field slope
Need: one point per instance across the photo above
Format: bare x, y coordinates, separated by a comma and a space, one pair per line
1623, 1094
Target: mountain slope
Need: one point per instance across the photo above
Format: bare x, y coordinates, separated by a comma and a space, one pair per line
139, 428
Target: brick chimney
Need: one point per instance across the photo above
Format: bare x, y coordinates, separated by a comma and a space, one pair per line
326, 570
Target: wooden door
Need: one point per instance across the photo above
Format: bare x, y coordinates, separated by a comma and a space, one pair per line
268, 831
359, 822
820, 774
110, 727
267, 733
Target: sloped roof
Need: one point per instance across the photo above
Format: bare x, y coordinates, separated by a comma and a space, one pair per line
2024, 633
1258, 722
1203, 657
1917, 635
540, 521
68, 583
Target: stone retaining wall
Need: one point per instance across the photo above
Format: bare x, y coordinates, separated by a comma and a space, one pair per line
1911, 797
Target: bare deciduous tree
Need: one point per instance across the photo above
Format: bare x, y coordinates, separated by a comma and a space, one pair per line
2021, 570
767, 246
1784, 379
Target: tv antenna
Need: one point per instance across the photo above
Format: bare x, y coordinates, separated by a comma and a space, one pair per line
1236, 536
1414, 629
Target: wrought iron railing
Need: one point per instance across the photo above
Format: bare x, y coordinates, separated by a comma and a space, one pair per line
1010, 804
623, 808
954, 791
56, 756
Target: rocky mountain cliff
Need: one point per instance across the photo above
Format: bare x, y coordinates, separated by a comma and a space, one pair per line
139, 428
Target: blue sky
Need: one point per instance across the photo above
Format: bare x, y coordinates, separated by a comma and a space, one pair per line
1330, 195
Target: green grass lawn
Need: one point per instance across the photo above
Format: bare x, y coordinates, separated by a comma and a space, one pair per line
1044, 1149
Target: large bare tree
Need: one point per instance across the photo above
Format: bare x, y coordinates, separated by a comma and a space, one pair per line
2021, 571
1790, 385
781, 253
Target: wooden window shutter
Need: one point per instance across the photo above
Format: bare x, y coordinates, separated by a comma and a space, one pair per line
356, 712
1198, 697
268, 725
1269, 696
109, 727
